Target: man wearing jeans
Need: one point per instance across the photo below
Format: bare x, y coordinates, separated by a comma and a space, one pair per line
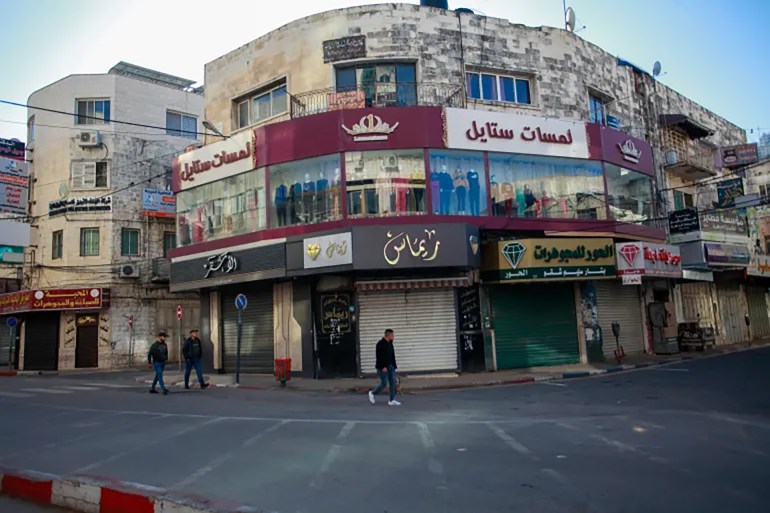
386, 368
193, 352
157, 359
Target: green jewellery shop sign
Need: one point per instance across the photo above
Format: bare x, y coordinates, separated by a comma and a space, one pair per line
549, 259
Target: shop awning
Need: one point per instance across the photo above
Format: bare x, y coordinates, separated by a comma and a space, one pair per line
431, 283
692, 128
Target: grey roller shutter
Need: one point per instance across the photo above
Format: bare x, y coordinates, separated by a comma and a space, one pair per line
5, 343
760, 324
424, 322
622, 303
731, 309
257, 330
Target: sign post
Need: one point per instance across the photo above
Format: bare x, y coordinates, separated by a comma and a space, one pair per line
11, 322
130, 340
181, 334
240, 304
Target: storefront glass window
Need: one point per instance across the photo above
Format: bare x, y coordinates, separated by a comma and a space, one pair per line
629, 194
225, 208
384, 183
306, 191
526, 186
458, 183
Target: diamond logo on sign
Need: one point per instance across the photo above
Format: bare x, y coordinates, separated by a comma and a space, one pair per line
474, 242
629, 253
313, 250
513, 253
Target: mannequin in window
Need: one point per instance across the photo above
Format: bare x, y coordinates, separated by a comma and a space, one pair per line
531, 203
435, 191
417, 189
474, 192
508, 193
384, 187
494, 193
336, 193
446, 186
281, 203
295, 202
308, 199
322, 198
461, 190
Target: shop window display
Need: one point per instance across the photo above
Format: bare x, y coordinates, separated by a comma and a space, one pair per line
527, 186
225, 208
458, 183
385, 183
306, 191
629, 194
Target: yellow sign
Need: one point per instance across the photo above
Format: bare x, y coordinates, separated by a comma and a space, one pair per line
549, 259
313, 250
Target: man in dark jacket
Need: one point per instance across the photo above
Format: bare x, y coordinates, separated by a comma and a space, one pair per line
386, 368
157, 359
192, 350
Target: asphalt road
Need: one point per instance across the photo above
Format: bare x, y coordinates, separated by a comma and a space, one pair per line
680, 438
8, 505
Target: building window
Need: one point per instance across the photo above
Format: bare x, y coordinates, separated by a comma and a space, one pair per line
93, 112
458, 183
181, 125
378, 85
89, 242
169, 242
57, 244
129, 242
629, 194
498, 88
764, 192
683, 200
597, 110
31, 129
306, 191
264, 104
385, 183
545, 187
90, 175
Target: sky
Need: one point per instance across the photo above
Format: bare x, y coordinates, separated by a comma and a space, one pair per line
713, 51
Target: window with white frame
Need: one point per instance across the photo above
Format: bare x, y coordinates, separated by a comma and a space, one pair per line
683, 200
129, 241
93, 112
181, 125
90, 175
263, 104
499, 88
89, 242
764, 192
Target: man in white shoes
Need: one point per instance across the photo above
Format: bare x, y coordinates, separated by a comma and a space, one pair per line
386, 368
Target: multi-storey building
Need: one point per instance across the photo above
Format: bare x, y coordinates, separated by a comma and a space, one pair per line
95, 284
461, 179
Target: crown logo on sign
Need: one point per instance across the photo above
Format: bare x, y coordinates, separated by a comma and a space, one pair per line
370, 128
630, 152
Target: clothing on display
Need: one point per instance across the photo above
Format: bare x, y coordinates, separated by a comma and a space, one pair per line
474, 192
308, 200
281, 204
435, 191
295, 202
461, 190
494, 193
322, 205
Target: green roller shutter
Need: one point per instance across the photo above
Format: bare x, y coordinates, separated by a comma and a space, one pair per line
535, 325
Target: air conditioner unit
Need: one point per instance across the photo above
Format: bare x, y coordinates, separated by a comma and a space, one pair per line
129, 271
90, 138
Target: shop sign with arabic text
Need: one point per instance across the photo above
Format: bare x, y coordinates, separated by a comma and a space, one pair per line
53, 299
549, 259
511, 133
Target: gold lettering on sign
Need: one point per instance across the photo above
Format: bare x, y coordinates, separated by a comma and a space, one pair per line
418, 248
341, 248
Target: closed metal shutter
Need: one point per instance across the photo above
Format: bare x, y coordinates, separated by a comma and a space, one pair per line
256, 330
695, 303
5, 342
425, 326
41, 341
618, 302
760, 323
535, 325
732, 311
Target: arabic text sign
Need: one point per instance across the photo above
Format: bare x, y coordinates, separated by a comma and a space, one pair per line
344, 48
212, 162
741, 155
55, 299
759, 266
14, 186
328, 250
727, 254
510, 133
80, 205
158, 203
543, 259
649, 259
12, 149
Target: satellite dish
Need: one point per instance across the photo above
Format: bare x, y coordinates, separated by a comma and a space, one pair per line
64, 190
569, 19
656, 69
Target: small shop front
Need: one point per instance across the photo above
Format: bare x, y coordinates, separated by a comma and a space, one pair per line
535, 287
57, 328
758, 277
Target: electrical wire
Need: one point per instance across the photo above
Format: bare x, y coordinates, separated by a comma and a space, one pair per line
80, 128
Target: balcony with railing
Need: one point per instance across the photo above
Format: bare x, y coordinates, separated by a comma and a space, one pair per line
378, 94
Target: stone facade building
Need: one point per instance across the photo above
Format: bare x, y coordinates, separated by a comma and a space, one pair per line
96, 276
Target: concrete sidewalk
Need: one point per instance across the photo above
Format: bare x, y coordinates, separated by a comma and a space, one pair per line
451, 381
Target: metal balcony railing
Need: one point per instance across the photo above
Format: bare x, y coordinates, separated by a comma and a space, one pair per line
379, 94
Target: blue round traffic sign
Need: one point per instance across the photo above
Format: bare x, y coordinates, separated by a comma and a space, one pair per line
12, 322
241, 301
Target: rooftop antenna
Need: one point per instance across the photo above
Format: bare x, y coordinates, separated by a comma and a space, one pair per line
569, 18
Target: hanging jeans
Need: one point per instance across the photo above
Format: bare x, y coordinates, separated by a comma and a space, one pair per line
387, 379
461, 194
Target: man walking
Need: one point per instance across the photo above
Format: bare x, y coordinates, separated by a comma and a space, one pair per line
157, 358
386, 368
192, 350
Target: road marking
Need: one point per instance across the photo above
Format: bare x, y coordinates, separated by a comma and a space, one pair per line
550, 384
222, 459
15, 394
669, 369
434, 465
46, 391
509, 440
555, 474
331, 456
80, 389
109, 385
154, 441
